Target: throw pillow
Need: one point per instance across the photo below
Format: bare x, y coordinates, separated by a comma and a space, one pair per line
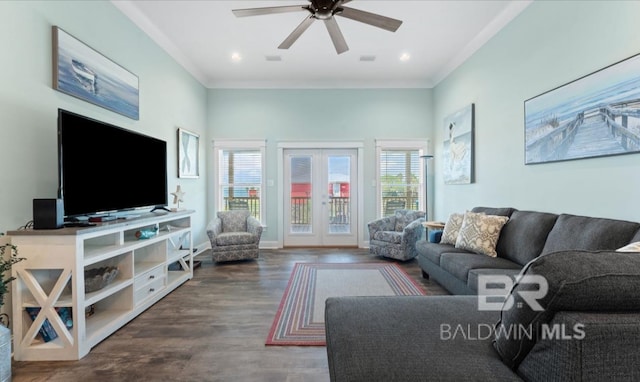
451, 229
633, 247
479, 233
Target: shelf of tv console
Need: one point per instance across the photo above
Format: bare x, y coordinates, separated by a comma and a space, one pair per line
52, 278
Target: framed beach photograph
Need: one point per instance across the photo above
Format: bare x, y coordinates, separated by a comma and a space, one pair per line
188, 153
458, 146
594, 116
82, 72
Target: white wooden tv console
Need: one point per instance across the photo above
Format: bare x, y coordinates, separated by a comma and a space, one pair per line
52, 277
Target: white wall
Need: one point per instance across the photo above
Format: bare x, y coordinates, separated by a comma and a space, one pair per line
319, 115
169, 98
549, 44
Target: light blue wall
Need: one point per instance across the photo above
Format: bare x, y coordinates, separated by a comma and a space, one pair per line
169, 98
548, 45
319, 115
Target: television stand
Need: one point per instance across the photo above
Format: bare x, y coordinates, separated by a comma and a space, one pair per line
160, 208
52, 280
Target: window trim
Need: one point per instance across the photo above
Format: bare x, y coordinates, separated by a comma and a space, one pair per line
399, 144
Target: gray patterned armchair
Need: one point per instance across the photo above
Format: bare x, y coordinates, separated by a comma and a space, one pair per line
395, 236
234, 235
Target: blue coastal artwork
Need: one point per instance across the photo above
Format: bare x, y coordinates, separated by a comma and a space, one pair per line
594, 116
458, 147
84, 73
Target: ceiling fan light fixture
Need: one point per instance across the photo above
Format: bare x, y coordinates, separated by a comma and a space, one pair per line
324, 10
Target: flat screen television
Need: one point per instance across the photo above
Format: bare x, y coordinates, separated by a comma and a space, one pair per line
103, 168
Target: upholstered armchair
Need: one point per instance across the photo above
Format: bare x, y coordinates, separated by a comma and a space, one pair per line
395, 236
234, 235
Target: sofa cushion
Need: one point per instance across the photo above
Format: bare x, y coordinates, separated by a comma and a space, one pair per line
500, 211
452, 229
389, 236
459, 264
479, 233
472, 282
433, 251
411, 338
234, 221
522, 238
235, 238
603, 281
588, 233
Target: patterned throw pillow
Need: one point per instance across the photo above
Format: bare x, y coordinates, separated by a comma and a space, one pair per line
451, 229
479, 233
633, 247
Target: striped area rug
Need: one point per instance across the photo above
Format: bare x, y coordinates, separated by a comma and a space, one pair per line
300, 317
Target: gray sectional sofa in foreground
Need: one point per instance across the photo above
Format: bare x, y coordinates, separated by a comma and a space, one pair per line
581, 323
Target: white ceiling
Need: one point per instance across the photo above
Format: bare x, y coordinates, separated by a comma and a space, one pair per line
202, 36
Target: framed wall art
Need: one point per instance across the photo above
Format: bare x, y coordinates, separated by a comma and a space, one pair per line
82, 72
458, 146
594, 116
188, 154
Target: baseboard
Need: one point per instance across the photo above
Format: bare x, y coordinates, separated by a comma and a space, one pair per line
269, 244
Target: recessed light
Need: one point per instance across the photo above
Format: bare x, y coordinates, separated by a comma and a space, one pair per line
405, 57
236, 57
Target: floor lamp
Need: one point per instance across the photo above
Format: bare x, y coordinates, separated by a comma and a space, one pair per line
426, 158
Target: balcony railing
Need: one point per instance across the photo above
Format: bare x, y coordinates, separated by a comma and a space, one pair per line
339, 210
250, 203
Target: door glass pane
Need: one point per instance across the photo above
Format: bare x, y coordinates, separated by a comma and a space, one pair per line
339, 176
301, 193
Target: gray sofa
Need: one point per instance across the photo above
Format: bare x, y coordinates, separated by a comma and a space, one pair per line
525, 236
586, 327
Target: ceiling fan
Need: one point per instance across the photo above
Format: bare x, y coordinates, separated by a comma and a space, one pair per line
324, 10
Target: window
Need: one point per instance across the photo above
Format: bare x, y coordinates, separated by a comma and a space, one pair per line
400, 178
239, 174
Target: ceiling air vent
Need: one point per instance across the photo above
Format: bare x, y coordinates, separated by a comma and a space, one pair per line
273, 58
369, 58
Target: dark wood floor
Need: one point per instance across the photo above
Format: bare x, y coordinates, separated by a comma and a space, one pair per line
212, 328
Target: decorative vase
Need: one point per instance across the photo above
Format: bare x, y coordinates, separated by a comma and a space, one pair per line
5, 354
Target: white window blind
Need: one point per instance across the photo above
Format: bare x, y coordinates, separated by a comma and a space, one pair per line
240, 180
400, 177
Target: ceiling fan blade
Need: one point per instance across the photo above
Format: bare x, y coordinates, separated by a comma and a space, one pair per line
286, 44
269, 10
336, 35
376, 20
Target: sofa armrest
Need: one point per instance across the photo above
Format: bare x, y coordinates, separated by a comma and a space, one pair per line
586, 346
214, 228
384, 224
254, 227
411, 234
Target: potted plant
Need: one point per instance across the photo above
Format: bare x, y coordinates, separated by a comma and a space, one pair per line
6, 262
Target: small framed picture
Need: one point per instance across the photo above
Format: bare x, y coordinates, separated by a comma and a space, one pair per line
188, 154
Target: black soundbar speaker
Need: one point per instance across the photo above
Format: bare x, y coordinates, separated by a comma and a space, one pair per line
48, 213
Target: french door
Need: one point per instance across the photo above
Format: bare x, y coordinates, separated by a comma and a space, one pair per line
320, 197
